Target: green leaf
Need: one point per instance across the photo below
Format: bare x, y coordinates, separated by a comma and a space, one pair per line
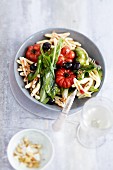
46, 61
58, 49
100, 73
43, 94
42, 52
56, 52
88, 68
84, 71
49, 88
30, 75
46, 58
34, 75
92, 89
47, 85
49, 79
54, 91
45, 100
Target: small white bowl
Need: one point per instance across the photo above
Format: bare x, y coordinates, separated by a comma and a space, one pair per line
35, 136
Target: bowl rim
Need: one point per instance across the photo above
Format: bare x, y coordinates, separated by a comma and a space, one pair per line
46, 30
28, 130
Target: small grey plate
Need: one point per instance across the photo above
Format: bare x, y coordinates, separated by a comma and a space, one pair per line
87, 44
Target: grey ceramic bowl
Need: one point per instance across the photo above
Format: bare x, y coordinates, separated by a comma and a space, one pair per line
87, 44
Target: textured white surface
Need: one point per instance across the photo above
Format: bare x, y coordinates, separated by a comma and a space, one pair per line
18, 20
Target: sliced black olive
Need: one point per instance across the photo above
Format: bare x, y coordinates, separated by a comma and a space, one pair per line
51, 101
76, 65
33, 67
46, 46
67, 65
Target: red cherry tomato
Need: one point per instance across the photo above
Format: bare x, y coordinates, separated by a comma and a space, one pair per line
71, 54
64, 78
66, 56
65, 50
33, 52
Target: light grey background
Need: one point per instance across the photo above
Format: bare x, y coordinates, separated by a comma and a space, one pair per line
18, 20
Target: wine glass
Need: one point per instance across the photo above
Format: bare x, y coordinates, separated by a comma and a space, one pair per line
96, 120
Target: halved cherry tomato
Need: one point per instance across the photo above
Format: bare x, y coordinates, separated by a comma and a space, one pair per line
64, 78
33, 52
66, 56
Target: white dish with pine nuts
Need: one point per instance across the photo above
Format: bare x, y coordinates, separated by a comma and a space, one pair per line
30, 149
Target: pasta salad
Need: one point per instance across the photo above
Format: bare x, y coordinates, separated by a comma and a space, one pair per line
54, 67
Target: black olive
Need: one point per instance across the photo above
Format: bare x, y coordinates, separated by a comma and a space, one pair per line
67, 65
76, 65
51, 101
46, 46
33, 67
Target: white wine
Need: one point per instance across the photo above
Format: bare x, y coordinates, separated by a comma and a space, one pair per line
96, 120
97, 116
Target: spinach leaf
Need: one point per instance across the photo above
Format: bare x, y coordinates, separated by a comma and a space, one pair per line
32, 76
